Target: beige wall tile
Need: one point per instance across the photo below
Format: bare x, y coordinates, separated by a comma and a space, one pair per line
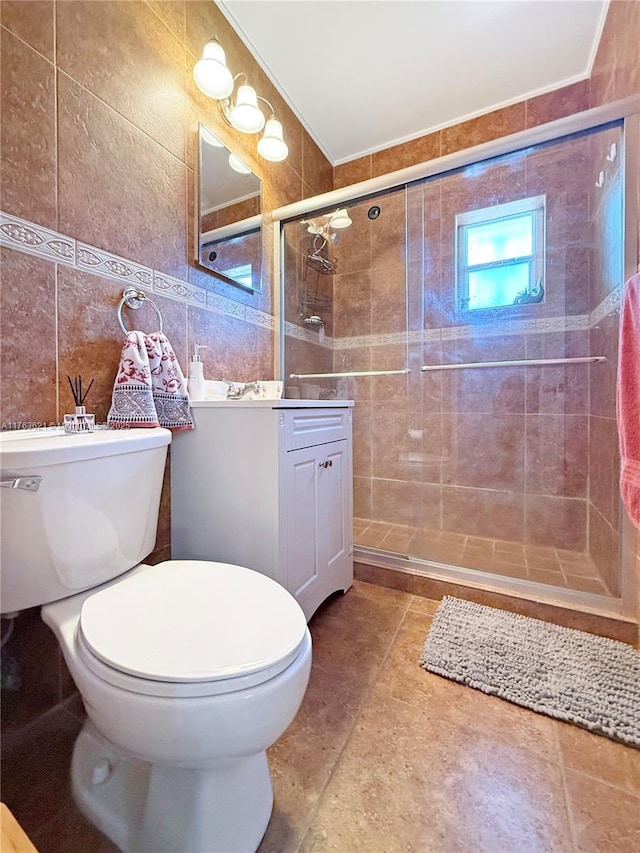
118, 190
130, 60
28, 330
32, 22
28, 133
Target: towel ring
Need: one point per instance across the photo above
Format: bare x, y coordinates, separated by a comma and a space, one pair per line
134, 298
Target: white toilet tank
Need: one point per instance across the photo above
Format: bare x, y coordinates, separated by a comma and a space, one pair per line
76, 510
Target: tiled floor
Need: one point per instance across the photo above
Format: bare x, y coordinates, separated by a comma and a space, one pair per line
385, 757
554, 566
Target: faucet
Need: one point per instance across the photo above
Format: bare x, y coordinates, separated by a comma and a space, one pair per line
239, 393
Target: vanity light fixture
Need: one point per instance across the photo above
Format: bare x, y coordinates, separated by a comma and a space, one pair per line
239, 110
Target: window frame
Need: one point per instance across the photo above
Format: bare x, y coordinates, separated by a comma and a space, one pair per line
535, 205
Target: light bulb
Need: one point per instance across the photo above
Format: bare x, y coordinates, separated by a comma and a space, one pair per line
272, 145
340, 219
238, 166
245, 115
211, 139
211, 73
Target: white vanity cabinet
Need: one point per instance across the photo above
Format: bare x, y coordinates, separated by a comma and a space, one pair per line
267, 484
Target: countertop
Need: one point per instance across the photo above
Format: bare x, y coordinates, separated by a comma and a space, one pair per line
273, 404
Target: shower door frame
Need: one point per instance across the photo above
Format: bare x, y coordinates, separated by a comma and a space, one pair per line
628, 112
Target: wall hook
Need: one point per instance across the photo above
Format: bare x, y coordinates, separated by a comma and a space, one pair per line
613, 152
600, 181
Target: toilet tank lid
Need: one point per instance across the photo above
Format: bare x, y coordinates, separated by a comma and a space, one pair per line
192, 620
24, 448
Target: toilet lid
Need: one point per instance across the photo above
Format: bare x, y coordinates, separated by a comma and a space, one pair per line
193, 621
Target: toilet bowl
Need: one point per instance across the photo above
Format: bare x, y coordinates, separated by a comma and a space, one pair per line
195, 668
188, 670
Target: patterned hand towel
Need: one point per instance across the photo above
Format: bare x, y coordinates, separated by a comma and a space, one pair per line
149, 389
628, 398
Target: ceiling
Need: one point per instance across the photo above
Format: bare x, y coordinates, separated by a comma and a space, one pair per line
362, 75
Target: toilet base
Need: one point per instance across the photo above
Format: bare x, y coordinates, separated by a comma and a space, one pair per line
152, 808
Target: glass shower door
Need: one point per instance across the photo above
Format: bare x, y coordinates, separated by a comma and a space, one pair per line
522, 268
346, 337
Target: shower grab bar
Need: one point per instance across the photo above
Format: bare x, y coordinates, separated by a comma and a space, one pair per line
350, 373
524, 362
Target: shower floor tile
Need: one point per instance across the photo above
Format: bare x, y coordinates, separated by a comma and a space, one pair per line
537, 563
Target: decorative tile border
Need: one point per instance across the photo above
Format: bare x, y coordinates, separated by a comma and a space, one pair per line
609, 304
259, 318
106, 265
221, 305
37, 240
33, 239
176, 288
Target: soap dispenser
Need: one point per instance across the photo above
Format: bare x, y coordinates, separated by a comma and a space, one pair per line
195, 383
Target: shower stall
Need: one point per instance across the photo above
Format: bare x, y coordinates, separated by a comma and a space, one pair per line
472, 314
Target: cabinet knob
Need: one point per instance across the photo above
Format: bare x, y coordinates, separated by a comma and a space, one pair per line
326, 464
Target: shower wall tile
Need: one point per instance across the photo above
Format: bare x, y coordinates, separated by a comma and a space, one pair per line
388, 234
407, 503
557, 455
27, 131
354, 254
492, 125
604, 468
129, 197
28, 385
362, 491
556, 522
604, 550
388, 298
390, 443
483, 512
604, 341
389, 388
143, 79
558, 104
352, 304
487, 451
32, 22
362, 440
496, 390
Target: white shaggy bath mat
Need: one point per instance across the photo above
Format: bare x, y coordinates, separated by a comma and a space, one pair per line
570, 675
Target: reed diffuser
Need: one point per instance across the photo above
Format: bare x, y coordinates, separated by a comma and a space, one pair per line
79, 421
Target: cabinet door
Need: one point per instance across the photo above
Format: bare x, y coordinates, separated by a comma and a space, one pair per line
318, 534
302, 509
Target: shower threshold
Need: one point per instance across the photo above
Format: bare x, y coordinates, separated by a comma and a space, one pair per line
538, 564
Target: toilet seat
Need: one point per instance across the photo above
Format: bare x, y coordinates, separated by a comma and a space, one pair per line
190, 628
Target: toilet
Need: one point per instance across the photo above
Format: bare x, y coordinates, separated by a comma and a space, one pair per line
189, 669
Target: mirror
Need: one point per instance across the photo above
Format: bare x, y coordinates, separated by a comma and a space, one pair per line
228, 214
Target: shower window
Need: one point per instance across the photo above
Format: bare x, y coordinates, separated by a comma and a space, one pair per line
500, 255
